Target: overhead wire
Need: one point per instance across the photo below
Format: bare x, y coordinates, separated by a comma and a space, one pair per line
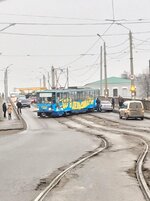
73, 18
120, 44
73, 61
69, 35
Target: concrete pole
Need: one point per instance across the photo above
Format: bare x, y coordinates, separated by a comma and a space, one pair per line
6, 84
105, 72
48, 80
67, 78
149, 68
131, 64
1, 112
40, 83
101, 71
53, 77
149, 78
44, 81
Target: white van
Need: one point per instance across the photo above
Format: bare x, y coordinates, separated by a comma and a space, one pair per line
132, 109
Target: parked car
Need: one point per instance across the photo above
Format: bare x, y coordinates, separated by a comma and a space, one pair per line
33, 99
106, 105
132, 109
26, 103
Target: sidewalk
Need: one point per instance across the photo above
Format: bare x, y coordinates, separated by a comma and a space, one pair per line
13, 124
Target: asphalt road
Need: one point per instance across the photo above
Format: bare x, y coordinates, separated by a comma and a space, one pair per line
27, 157
41, 151
110, 175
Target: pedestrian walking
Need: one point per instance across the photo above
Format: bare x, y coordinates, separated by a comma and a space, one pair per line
19, 106
98, 104
9, 110
120, 101
113, 102
4, 109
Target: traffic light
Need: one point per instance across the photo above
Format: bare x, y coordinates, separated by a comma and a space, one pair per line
133, 90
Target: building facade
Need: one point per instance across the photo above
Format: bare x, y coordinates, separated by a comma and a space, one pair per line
116, 86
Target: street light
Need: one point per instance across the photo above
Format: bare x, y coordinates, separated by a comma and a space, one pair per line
132, 77
105, 68
6, 82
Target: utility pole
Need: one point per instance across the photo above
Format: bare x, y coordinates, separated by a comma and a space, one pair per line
5, 85
105, 72
149, 81
105, 68
6, 82
149, 68
48, 80
132, 89
67, 78
40, 83
44, 81
53, 77
101, 71
1, 111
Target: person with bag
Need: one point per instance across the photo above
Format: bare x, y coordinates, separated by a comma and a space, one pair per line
9, 110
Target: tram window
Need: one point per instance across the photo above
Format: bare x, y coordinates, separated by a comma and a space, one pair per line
72, 95
81, 97
39, 100
65, 95
78, 95
53, 98
96, 93
91, 94
84, 95
49, 99
75, 96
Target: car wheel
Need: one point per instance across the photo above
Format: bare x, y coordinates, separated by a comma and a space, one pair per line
120, 116
142, 118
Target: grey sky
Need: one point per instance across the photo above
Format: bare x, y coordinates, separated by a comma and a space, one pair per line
43, 47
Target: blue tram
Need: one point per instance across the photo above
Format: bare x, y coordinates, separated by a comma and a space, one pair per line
55, 103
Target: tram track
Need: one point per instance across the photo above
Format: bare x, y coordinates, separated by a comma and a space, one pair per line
140, 161
94, 128
104, 145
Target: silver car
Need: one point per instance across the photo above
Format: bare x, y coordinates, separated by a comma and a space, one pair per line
106, 106
132, 109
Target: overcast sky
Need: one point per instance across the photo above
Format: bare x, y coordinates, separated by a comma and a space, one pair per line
63, 33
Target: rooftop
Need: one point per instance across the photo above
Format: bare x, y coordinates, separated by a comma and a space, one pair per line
110, 80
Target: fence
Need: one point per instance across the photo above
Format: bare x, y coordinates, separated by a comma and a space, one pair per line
146, 103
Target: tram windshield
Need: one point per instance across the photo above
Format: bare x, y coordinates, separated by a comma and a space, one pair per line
46, 97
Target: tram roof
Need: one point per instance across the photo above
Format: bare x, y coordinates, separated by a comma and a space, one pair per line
66, 90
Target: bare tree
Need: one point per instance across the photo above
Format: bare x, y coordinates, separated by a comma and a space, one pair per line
144, 85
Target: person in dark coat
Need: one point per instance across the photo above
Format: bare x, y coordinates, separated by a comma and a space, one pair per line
113, 102
120, 101
19, 106
4, 109
98, 104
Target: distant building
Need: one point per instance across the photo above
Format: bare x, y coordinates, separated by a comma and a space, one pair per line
116, 86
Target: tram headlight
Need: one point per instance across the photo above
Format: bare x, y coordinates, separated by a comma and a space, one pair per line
49, 108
